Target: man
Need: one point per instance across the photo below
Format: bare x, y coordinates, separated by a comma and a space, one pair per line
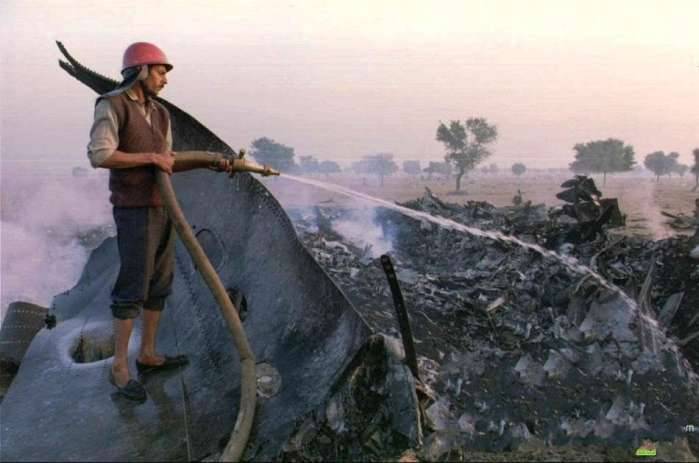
131, 136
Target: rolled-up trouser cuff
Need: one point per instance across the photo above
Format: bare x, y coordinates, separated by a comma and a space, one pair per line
146, 243
125, 310
156, 304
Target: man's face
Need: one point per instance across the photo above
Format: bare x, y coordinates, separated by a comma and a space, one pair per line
156, 80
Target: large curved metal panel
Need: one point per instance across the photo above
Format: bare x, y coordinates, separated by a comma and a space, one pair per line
298, 322
61, 406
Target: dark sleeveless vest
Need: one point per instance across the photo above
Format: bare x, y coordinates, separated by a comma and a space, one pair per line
136, 186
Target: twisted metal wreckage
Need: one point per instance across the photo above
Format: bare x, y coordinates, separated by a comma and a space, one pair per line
514, 350
314, 353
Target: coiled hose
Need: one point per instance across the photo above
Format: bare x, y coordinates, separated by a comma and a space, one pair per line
241, 432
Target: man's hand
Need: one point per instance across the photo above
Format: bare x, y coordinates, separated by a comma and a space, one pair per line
222, 165
164, 161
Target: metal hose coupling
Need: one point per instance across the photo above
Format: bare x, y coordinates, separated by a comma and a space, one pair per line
246, 165
240, 164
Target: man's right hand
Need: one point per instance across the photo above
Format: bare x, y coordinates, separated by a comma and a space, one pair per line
164, 161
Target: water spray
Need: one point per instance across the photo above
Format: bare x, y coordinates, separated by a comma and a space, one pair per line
569, 262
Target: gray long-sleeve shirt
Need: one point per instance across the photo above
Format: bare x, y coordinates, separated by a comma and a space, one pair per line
104, 134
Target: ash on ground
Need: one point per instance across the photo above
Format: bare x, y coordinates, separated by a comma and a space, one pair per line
516, 351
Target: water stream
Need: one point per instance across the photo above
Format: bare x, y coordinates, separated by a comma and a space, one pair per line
647, 321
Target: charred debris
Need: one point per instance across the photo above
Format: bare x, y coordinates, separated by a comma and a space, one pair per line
516, 352
518, 356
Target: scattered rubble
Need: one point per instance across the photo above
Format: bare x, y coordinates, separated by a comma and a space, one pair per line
373, 413
683, 222
512, 346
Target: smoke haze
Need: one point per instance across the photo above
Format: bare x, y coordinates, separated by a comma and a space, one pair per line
43, 217
360, 229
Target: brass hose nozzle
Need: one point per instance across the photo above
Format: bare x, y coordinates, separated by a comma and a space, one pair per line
240, 164
245, 165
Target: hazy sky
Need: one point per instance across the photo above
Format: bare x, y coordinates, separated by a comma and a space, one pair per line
339, 80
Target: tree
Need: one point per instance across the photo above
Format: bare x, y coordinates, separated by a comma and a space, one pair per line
466, 145
491, 168
411, 167
672, 162
662, 164
380, 164
442, 168
308, 165
695, 169
659, 163
328, 167
278, 156
602, 156
360, 167
518, 168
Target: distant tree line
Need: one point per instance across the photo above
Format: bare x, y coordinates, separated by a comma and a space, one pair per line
380, 164
281, 157
664, 164
467, 145
492, 168
309, 165
612, 155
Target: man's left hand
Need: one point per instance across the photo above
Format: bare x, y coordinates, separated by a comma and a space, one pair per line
222, 165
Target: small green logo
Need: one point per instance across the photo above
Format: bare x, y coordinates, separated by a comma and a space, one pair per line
647, 449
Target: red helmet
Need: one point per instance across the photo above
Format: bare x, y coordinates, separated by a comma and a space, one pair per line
140, 53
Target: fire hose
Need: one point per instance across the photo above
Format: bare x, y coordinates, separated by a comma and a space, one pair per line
248, 385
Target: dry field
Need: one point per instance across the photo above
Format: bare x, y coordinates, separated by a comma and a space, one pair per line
641, 198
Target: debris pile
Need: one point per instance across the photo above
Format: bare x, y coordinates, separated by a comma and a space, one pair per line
515, 348
373, 412
683, 222
585, 205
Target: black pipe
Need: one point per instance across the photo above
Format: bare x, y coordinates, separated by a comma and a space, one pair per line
403, 320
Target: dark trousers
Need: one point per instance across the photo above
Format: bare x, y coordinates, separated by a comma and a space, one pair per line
146, 242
